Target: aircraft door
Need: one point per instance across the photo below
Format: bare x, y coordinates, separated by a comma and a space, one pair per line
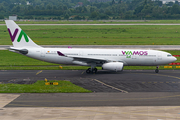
135, 60
80, 53
159, 56
134, 56
42, 53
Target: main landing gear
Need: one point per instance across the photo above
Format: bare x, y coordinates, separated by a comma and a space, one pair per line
91, 70
157, 69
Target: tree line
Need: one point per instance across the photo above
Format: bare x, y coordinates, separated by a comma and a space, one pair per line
83, 9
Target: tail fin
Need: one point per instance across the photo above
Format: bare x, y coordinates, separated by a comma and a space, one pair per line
18, 36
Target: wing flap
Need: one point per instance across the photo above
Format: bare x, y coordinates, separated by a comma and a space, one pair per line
82, 58
88, 60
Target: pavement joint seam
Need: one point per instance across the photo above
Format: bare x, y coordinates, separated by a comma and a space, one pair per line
11, 100
110, 86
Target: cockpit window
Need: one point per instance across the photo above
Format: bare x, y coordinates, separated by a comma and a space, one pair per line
169, 55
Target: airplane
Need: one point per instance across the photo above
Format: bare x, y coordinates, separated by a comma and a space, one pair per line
108, 59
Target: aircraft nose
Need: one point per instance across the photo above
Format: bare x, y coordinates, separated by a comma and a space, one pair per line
174, 59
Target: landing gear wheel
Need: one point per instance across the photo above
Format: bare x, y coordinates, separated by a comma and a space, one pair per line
156, 71
94, 70
88, 70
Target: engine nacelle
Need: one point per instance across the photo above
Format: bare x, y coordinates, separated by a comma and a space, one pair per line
114, 66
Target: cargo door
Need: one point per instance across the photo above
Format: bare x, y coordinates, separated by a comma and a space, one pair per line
42, 53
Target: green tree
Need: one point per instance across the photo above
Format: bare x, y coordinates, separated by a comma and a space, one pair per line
54, 7
65, 7
135, 4
66, 16
103, 16
157, 12
84, 9
1, 16
145, 2
175, 9
119, 2
94, 15
49, 7
77, 17
138, 9
93, 8
30, 7
37, 7
113, 2
128, 15
16, 9
147, 10
108, 12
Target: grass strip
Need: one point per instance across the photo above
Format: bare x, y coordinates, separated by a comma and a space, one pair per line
98, 35
95, 21
40, 87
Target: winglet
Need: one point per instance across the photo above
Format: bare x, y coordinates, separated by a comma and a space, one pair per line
60, 54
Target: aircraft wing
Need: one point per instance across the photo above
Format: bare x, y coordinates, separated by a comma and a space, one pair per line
84, 59
87, 59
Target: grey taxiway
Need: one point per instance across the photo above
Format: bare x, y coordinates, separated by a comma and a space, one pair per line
127, 88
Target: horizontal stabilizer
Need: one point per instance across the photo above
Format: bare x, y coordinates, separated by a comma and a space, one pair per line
22, 51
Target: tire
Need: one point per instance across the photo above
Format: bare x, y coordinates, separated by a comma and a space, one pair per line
156, 71
94, 70
88, 71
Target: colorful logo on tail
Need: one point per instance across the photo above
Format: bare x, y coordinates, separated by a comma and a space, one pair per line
13, 36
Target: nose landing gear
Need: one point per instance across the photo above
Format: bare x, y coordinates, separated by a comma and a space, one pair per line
157, 69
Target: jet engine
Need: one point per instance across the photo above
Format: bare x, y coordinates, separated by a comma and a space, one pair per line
114, 66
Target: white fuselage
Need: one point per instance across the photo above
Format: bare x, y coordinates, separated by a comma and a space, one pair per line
108, 59
131, 57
